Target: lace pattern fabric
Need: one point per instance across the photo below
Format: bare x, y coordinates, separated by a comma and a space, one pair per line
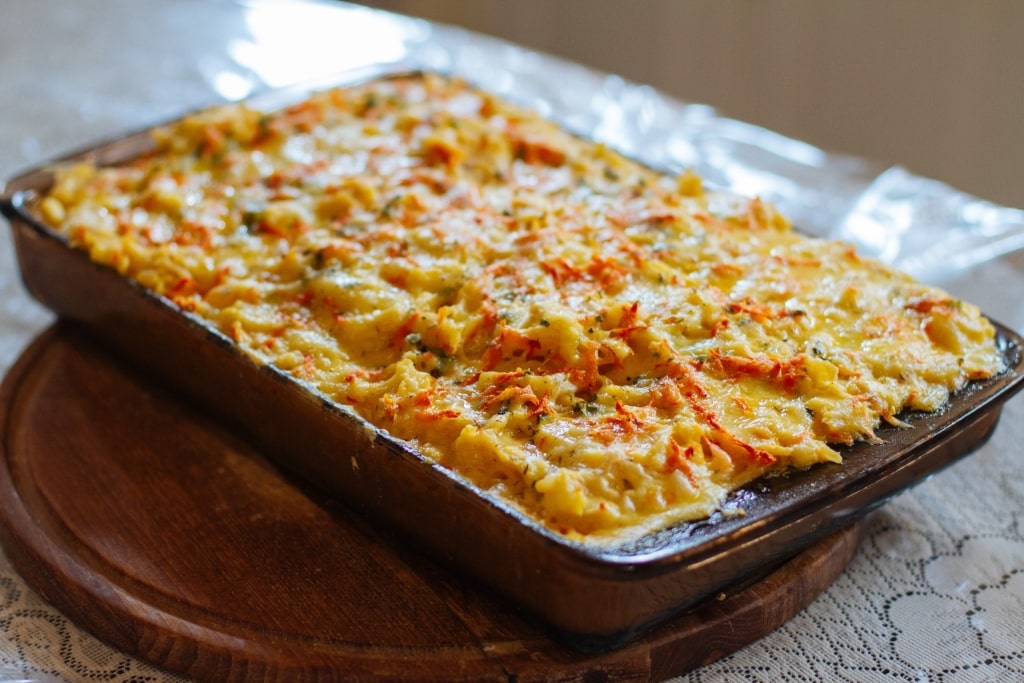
936, 592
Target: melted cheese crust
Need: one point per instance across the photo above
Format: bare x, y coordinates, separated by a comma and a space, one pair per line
609, 349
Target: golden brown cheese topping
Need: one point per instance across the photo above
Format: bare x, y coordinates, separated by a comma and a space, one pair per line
609, 349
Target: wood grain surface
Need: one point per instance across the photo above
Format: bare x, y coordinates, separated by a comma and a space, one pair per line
171, 539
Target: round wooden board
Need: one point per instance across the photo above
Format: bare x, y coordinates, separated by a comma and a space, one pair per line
167, 537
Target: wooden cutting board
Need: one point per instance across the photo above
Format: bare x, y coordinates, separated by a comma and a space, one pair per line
173, 540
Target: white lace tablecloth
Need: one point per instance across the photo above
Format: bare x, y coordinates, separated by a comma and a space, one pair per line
936, 592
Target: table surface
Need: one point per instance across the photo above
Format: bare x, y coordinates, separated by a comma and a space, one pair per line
936, 592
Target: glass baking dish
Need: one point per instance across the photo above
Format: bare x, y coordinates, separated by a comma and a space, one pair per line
592, 597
